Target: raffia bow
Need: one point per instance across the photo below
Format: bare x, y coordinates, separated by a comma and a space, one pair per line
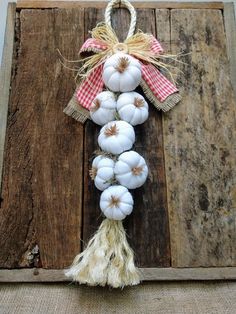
103, 43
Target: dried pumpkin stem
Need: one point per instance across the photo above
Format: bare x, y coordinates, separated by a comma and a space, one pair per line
122, 64
114, 202
137, 171
93, 172
138, 102
112, 130
105, 154
96, 105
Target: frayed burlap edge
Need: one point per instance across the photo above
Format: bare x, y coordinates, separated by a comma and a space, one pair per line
76, 111
167, 104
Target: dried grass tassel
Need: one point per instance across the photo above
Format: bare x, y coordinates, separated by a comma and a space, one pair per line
107, 259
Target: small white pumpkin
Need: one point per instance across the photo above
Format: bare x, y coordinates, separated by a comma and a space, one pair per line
131, 170
122, 72
116, 202
102, 172
132, 108
103, 108
116, 137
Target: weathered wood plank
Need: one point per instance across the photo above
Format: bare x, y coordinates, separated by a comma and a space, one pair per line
40, 217
230, 31
147, 274
22, 4
200, 137
147, 227
5, 78
91, 212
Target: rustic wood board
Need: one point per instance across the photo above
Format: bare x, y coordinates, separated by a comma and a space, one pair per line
5, 78
149, 274
23, 4
230, 32
48, 200
42, 176
200, 138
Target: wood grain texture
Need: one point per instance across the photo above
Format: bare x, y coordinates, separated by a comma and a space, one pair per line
5, 78
147, 274
41, 211
22, 4
92, 216
147, 227
200, 137
230, 32
40, 217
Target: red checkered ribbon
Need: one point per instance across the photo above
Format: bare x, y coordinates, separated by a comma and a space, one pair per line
160, 86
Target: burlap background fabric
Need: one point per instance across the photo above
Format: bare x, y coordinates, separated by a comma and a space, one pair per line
160, 298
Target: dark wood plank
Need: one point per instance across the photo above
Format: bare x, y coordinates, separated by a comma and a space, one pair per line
91, 212
40, 217
21, 4
5, 77
200, 137
147, 227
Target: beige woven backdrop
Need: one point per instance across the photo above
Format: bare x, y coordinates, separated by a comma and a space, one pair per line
161, 298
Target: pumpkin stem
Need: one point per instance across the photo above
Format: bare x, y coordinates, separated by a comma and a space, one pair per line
96, 105
112, 130
138, 102
137, 171
98, 152
93, 173
122, 64
111, 181
114, 202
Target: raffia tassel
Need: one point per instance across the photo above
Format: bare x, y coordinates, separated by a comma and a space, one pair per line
107, 259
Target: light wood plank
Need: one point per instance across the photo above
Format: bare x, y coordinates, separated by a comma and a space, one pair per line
147, 274
230, 30
200, 137
22, 4
5, 78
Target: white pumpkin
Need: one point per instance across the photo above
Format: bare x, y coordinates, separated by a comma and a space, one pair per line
132, 108
116, 202
103, 108
102, 172
131, 170
122, 72
116, 137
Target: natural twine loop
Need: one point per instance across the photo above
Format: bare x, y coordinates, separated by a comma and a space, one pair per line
131, 9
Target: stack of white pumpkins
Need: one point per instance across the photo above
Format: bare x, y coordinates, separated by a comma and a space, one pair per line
119, 109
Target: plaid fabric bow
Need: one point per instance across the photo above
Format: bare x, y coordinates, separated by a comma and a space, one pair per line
157, 88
